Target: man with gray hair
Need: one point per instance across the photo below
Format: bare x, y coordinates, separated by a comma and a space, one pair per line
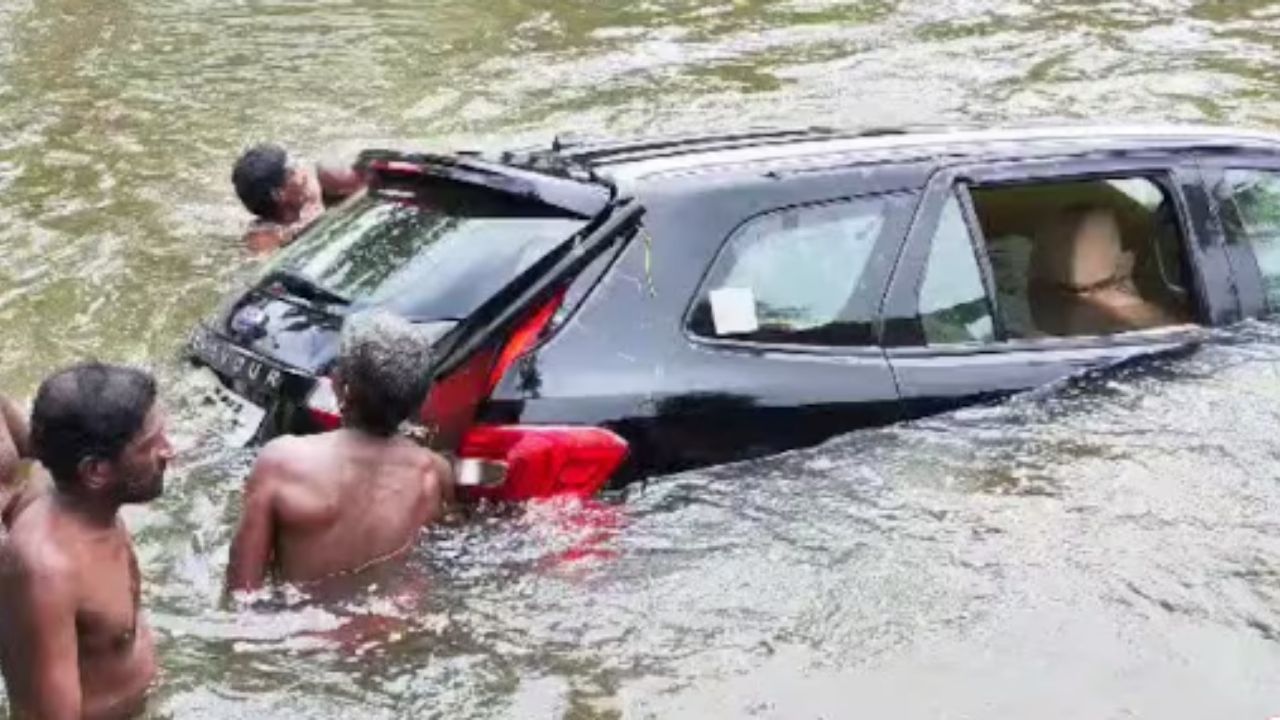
346, 500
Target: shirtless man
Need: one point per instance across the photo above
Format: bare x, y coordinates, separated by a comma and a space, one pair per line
346, 500
73, 641
286, 195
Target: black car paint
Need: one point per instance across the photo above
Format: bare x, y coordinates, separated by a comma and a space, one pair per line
683, 402
620, 357
626, 362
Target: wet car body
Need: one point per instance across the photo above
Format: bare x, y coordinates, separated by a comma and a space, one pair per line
607, 333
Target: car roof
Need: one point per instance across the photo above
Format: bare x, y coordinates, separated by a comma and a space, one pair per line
634, 164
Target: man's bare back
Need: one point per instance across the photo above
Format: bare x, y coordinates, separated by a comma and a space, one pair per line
334, 503
78, 645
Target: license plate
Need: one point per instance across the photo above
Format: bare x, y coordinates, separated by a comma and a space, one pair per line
236, 363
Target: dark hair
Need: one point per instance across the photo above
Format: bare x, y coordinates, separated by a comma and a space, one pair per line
91, 410
260, 171
384, 363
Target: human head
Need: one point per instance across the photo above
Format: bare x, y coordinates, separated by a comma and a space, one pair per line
97, 429
382, 372
272, 185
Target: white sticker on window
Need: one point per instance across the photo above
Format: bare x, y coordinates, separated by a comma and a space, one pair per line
733, 310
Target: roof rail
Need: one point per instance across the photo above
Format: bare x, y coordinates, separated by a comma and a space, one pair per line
588, 151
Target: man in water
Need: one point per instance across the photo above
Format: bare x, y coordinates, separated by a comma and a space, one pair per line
73, 640
286, 195
344, 501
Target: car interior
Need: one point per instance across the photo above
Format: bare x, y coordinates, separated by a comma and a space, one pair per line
1084, 258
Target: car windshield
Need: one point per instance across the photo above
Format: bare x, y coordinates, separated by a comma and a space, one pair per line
420, 261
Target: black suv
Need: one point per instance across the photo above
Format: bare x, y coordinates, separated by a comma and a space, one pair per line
609, 311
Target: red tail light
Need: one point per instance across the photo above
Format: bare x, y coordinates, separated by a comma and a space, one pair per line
451, 404
516, 462
322, 405
543, 461
523, 339
396, 167
450, 407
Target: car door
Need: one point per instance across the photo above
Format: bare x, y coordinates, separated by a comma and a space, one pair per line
780, 336
950, 331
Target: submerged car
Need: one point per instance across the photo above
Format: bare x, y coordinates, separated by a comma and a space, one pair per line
610, 311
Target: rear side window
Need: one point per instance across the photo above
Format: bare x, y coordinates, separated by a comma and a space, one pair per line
1250, 207
421, 261
793, 276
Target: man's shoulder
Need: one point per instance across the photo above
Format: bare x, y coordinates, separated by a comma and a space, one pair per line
295, 461
412, 452
33, 551
288, 451
435, 463
436, 470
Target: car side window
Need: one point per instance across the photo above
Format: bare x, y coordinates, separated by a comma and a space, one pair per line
953, 300
1250, 207
792, 276
1086, 256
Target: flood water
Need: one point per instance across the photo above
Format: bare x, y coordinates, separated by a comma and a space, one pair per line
1107, 549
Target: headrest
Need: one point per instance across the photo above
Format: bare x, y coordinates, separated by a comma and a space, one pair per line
1080, 248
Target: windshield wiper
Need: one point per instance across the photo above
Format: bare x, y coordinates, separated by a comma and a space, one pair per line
299, 285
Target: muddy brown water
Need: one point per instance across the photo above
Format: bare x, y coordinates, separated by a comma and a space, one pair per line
1105, 549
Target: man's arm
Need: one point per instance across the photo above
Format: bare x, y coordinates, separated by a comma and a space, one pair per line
264, 241
254, 538
442, 475
41, 640
339, 179
17, 426
15, 444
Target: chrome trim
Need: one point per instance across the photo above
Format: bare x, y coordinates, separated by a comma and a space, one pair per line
478, 472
